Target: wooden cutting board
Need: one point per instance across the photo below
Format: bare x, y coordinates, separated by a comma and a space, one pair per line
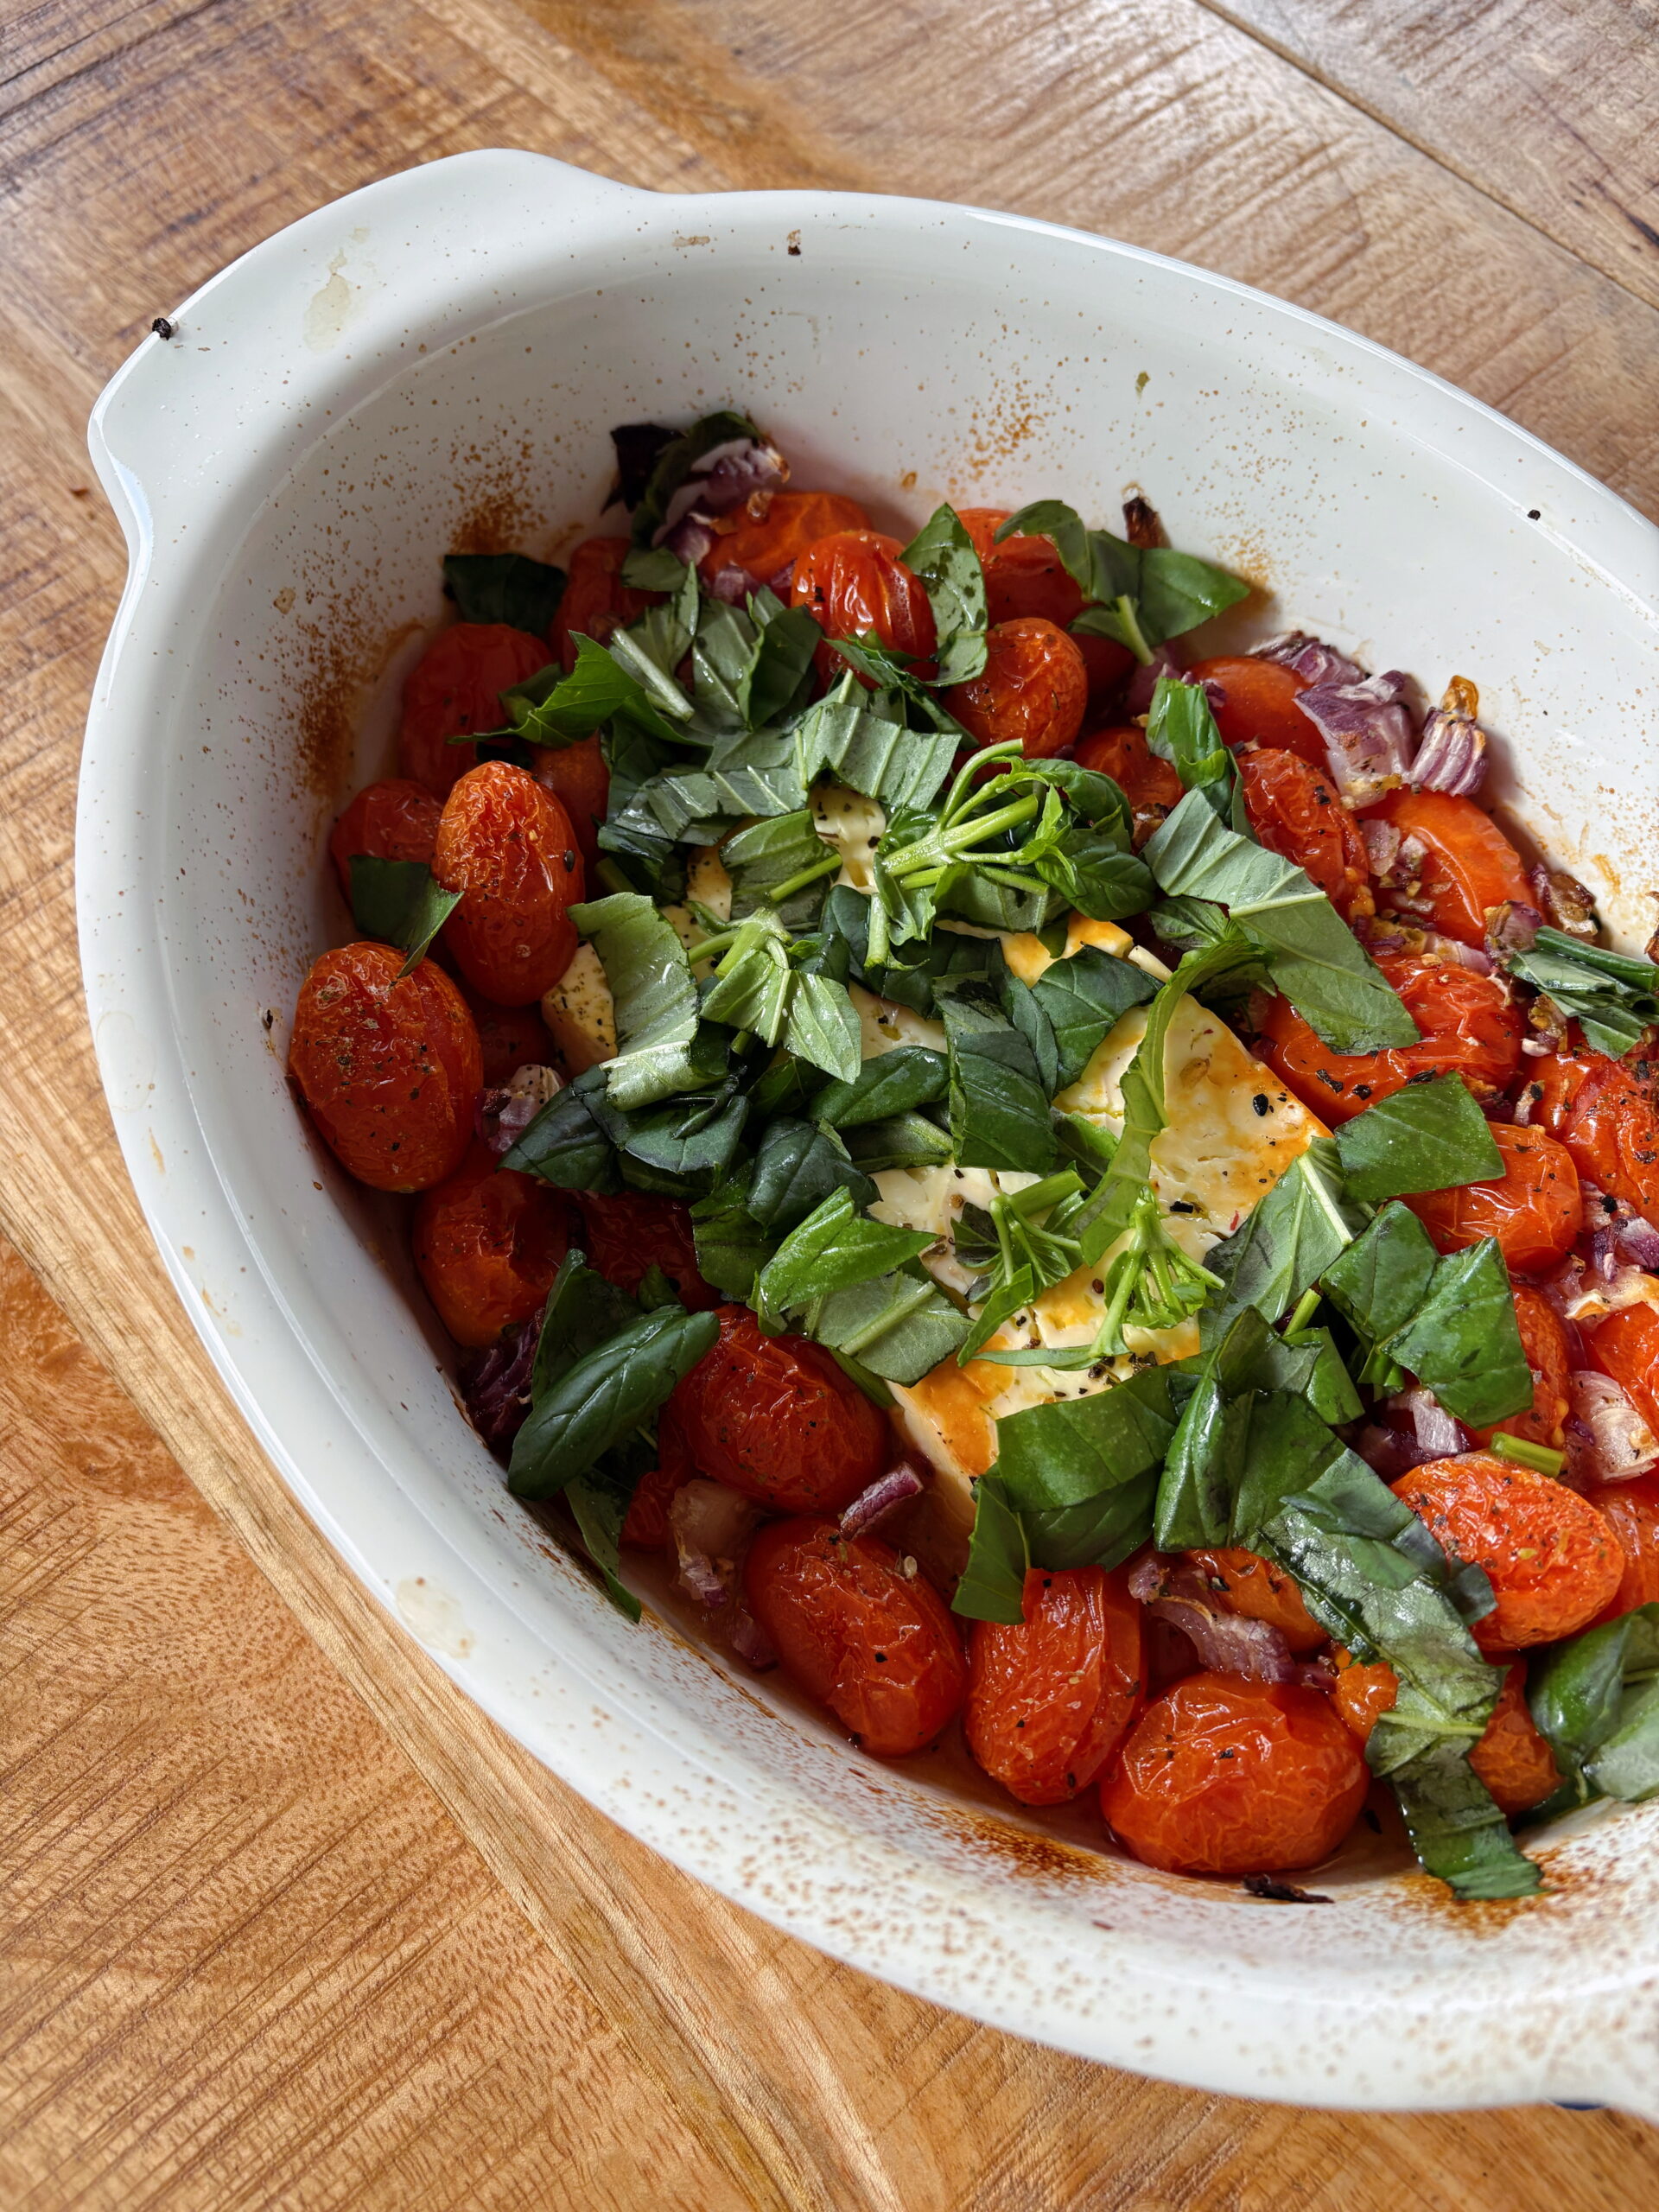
284, 1921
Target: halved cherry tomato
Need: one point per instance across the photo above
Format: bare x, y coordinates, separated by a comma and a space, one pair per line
1631, 1510
1544, 1342
1252, 1587
456, 689
1025, 575
487, 1244
506, 845
1512, 1759
1049, 1698
595, 601
1224, 1777
1294, 810
1033, 688
875, 1644
1469, 865
852, 583
389, 1069
1259, 705
1534, 1211
769, 546
578, 778
775, 1418
1626, 1346
1148, 782
626, 1232
1551, 1558
1467, 1023
645, 1523
1606, 1113
397, 820
509, 1038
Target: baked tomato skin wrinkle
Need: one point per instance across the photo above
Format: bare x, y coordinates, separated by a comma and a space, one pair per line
578, 778
1150, 783
1469, 866
852, 583
1468, 1028
1512, 1759
1220, 1775
1033, 690
1544, 1342
1259, 707
487, 1245
645, 1523
390, 1070
1551, 1559
1362, 1692
397, 820
1295, 811
1626, 1346
456, 689
1631, 1510
628, 1232
1606, 1113
775, 1418
769, 546
1051, 1698
507, 846
857, 1633
1244, 1583
595, 601
1533, 1211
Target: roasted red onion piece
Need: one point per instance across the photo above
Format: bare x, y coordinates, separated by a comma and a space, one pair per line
1382, 846
733, 584
501, 1117
1366, 730
1392, 1453
1582, 1293
1567, 904
1177, 1593
711, 1526
1137, 696
1312, 659
1511, 927
1621, 1440
1451, 751
688, 539
495, 1385
748, 1639
744, 472
1420, 1414
885, 1495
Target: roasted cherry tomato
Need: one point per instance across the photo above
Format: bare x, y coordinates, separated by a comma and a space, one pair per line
1606, 1113
1025, 575
509, 1038
1512, 1759
626, 1232
1552, 1560
645, 1524
775, 1418
488, 1243
1244, 1583
1534, 1211
1626, 1346
769, 546
397, 820
578, 778
1468, 867
873, 1641
1544, 1342
1295, 811
390, 1070
506, 845
1033, 688
852, 583
595, 601
456, 689
1049, 1701
1631, 1511
1224, 1777
1149, 783
1362, 1692
1467, 1023
1259, 707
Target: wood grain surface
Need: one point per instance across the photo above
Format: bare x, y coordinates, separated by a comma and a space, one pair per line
284, 1923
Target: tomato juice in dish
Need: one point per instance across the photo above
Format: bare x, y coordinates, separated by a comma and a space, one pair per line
1065, 1189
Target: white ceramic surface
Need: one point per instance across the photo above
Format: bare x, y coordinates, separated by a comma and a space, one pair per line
447, 350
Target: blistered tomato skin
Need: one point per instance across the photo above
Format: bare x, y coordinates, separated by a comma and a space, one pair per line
455, 689
1033, 690
1631, 1510
1149, 783
1533, 1210
1606, 1113
595, 601
1362, 1692
578, 778
1544, 1342
397, 820
1220, 1775
507, 846
1468, 868
1512, 1759
626, 1232
1467, 1023
876, 1645
1049, 1700
645, 1526
1259, 707
775, 1418
1552, 1560
1626, 1346
390, 1070
1295, 811
487, 1245
1244, 1583
852, 583
768, 547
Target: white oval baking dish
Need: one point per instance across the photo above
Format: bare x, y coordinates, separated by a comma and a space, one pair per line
444, 353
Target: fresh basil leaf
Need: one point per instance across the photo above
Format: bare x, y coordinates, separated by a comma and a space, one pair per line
1102, 1531
999, 1110
898, 1326
1139, 595
942, 554
504, 587
1383, 1278
674, 463
605, 1397
1314, 958
732, 1247
1288, 1241
1195, 1492
655, 998
975, 896
564, 1145
651, 648
1179, 591
697, 805
797, 1166
1094, 796
1289, 1447
1464, 1343
1024, 1013
1592, 1698
1430, 1137
687, 1143
599, 1503
833, 1248
753, 983
993, 1585
1058, 1455
1612, 997
1084, 998
1627, 1764
822, 1026
1456, 1828
1053, 520
890, 1082
903, 1140
1309, 1365
400, 903
552, 708
583, 1311
844, 736
1180, 728
650, 567
772, 681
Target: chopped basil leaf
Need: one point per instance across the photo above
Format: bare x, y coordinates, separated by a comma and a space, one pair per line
797, 1166
732, 1247
1614, 998
1058, 1455
1101, 1532
686, 1144
1288, 1241
1180, 728
890, 1082
834, 1248
899, 1326
844, 736
504, 587
1139, 595
942, 554
1195, 1491
552, 708
775, 678
565, 1145
599, 1501
1595, 1700
1380, 1281
604, 1396
822, 1026
401, 902
999, 1110
1430, 1137
1456, 1828
673, 464
902, 1141
993, 1585
1464, 1343
1084, 998
583, 1311
655, 998
1090, 872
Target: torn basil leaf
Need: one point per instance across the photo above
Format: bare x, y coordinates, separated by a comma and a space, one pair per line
732, 1246
822, 1027
942, 554
604, 1396
899, 1326
1612, 997
797, 1166
845, 737
1288, 1240
999, 1110
400, 903
1456, 1828
890, 1082
599, 1503
1181, 729
1464, 1343
1101, 1532
583, 1311
655, 998
1054, 1456
833, 1248
1195, 1491
1084, 997
1138, 595
993, 1585
553, 709
1595, 1700
684, 1145
902, 1141
504, 587
775, 678
564, 1145
1428, 1136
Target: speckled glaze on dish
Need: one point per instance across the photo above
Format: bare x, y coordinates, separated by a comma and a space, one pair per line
436, 360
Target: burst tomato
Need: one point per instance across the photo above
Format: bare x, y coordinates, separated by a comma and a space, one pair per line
1224, 1777
1544, 1342
578, 778
456, 689
1294, 810
875, 1643
1606, 1113
1551, 1558
1468, 867
1467, 1024
645, 1524
1631, 1511
1533, 1210
775, 1418
389, 1069
852, 583
1362, 1692
509, 1038
1025, 575
487, 1244
1246, 1583
626, 1232
506, 845
1049, 1700
1149, 783
1512, 1759
397, 820
1626, 1346
1033, 688
1258, 706
595, 601
769, 546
